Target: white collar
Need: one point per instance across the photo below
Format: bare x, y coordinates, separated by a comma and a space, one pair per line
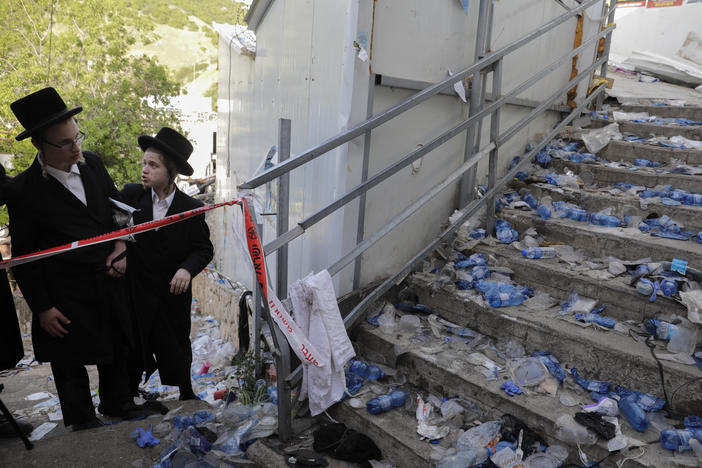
58, 173
168, 200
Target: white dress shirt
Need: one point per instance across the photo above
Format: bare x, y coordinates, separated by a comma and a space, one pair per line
71, 180
160, 207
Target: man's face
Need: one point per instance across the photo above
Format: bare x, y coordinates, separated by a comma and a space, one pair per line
153, 171
60, 145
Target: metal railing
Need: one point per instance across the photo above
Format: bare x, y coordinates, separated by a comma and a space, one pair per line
473, 153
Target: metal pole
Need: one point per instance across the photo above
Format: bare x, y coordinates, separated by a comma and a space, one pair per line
494, 133
465, 190
364, 177
283, 207
605, 53
257, 312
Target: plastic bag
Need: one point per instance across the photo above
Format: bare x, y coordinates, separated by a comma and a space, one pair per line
569, 431
597, 139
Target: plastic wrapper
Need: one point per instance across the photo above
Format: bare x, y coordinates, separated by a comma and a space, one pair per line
597, 139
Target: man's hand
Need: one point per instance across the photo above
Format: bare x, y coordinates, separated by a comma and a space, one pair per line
180, 281
117, 269
51, 322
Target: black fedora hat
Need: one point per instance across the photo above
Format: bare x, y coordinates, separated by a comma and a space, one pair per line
40, 110
173, 144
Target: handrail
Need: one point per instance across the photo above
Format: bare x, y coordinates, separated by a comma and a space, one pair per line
491, 63
314, 218
409, 103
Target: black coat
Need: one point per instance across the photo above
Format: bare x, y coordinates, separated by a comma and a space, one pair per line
162, 319
11, 349
43, 214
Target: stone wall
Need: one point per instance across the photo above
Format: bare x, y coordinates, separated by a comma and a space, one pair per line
220, 301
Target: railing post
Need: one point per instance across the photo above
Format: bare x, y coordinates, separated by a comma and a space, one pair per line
467, 184
607, 44
494, 134
364, 177
283, 207
257, 313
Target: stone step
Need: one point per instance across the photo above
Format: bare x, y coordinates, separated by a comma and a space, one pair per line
627, 243
597, 354
604, 175
393, 432
448, 373
686, 112
623, 302
646, 130
630, 150
594, 201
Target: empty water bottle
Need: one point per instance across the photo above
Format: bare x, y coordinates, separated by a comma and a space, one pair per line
680, 339
528, 198
643, 227
485, 286
604, 220
677, 195
641, 270
646, 163
679, 439
596, 318
478, 233
498, 299
504, 232
669, 287
387, 402
634, 413
543, 211
479, 436
590, 385
646, 401
479, 272
359, 368
698, 238
476, 259
539, 252
576, 214
693, 199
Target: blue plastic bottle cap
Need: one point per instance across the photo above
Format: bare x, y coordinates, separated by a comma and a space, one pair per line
524, 253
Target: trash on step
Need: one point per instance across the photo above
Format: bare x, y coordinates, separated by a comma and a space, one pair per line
605, 406
511, 388
597, 424
577, 304
145, 438
527, 372
39, 432
569, 431
552, 364
634, 413
679, 439
479, 436
387, 402
424, 426
595, 140
590, 385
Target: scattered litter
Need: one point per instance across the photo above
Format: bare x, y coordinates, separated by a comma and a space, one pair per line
39, 432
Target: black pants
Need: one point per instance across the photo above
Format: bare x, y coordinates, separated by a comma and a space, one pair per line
73, 385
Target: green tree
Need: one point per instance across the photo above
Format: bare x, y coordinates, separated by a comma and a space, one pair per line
82, 49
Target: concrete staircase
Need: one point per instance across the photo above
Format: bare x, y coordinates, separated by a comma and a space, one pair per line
441, 364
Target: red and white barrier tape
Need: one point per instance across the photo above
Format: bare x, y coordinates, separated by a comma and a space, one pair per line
298, 341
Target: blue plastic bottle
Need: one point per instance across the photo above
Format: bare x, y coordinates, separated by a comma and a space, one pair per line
387, 402
494, 286
669, 287
679, 439
645, 400
596, 318
643, 227
498, 299
694, 199
543, 211
272, 392
528, 198
590, 385
479, 272
374, 372
577, 214
634, 413
604, 220
699, 238
358, 368
539, 252
474, 260
552, 364
478, 233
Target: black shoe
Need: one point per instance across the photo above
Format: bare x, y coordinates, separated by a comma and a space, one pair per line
90, 424
188, 394
155, 407
7, 431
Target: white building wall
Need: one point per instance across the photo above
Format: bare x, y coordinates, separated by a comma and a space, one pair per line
305, 69
658, 30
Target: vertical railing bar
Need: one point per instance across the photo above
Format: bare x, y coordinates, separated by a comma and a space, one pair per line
465, 190
283, 207
360, 228
259, 301
494, 133
605, 53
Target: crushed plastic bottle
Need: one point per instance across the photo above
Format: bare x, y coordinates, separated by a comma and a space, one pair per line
528, 198
645, 400
478, 233
596, 318
590, 385
543, 211
474, 260
634, 413
679, 439
552, 364
680, 339
600, 219
387, 402
504, 232
669, 287
479, 436
539, 252
499, 299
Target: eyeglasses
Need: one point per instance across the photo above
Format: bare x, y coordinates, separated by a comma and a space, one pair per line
66, 144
